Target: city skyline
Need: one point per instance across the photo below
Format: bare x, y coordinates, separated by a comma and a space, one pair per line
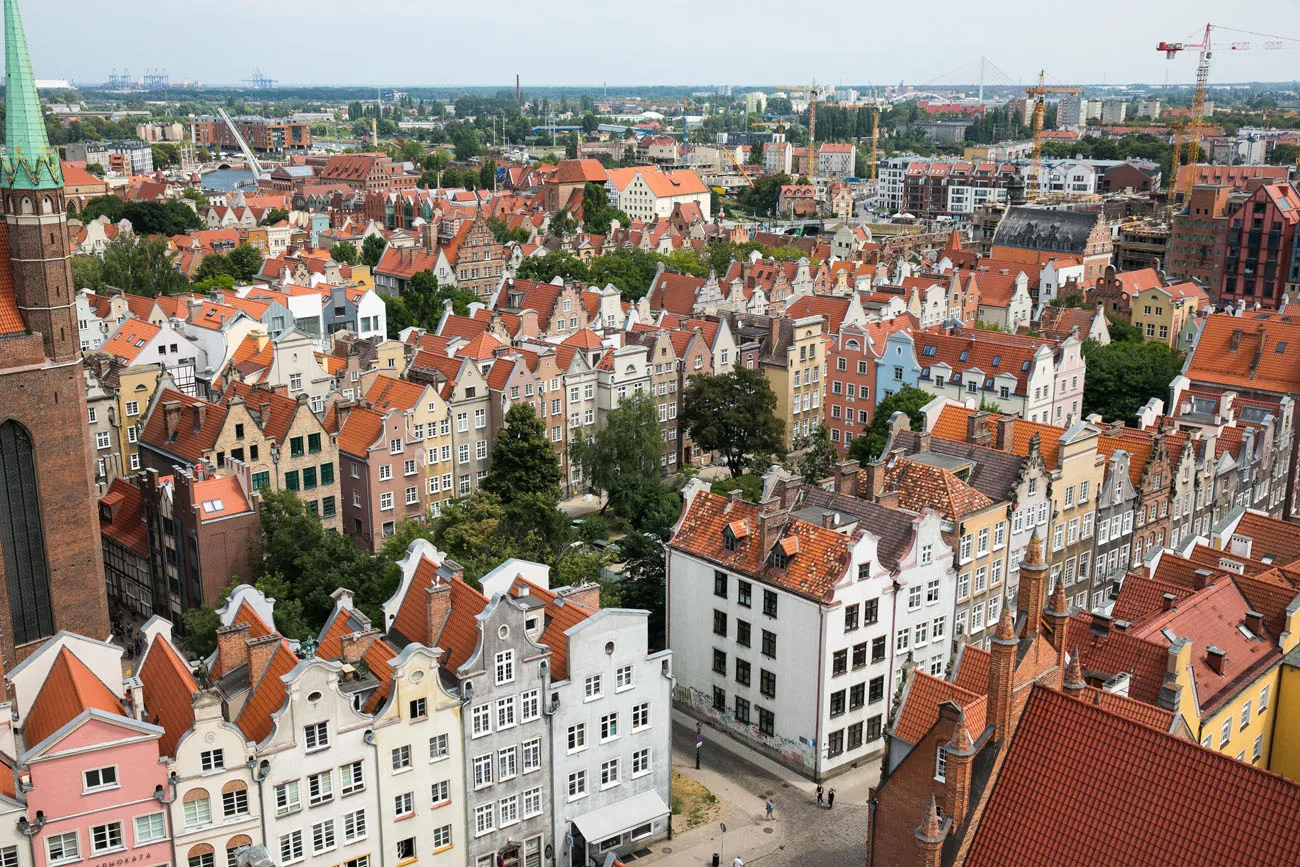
1096, 52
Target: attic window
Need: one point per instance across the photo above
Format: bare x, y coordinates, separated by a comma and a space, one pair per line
1024, 365
728, 539
964, 354
1280, 348
780, 559
997, 359
930, 350
210, 506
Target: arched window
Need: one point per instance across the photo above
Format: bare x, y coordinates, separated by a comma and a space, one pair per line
23, 537
234, 799
202, 855
198, 809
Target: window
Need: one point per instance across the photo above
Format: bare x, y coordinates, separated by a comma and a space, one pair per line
914, 598
482, 771
577, 784
850, 618
941, 763
354, 826
769, 603
719, 622
322, 837
198, 811
320, 788
406, 847
577, 737
437, 747
1245, 714
744, 592
742, 672
316, 736
1225, 733
480, 720
402, 758
591, 687
720, 584
62, 847
839, 662
1263, 698
295, 382
719, 661
609, 726
769, 644
147, 829
641, 716
234, 803
102, 440
441, 837
532, 751
100, 778
766, 721
507, 763
609, 773
106, 838
505, 713
623, 678
530, 706
404, 804
287, 799
291, 847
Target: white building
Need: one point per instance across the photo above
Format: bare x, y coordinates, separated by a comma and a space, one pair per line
784, 618
647, 193
136, 341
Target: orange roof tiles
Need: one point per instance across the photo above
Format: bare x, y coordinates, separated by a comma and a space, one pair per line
482, 347
921, 707
131, 336
832, 308
951, 425
1106, 652
823, 554
127, 526
561, 615
922, 486
387, 393
1262, 361
1140, 596
267, 695
69, 689
584, 339
273, 412
169, 690
192, 439
360, 431
1142, 798
220, 497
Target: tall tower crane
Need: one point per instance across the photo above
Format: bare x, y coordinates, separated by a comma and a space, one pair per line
813, 92
1036, 92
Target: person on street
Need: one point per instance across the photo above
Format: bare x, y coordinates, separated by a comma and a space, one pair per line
771, 805
830, 799
820, 793
737, 862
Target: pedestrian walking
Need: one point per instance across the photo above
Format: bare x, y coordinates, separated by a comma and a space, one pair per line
737, 862
820, 793
771, 805
830, 799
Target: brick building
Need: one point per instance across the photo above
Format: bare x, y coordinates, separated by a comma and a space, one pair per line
1199, 237
265, 134
1259, 259
51, 568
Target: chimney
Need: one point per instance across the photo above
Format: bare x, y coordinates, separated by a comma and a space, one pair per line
436, 611
172, 417
1167, 601
846, 477
231, 650
775, 325
1073, 682
930, 836
875, 481
770, 523
355, 645
1235, 343
260, 652
923, 440
961, 755
1032, 592
828, 520
1217, 659
264, 413
1101, 622
977, 429
200, 414
1255, 622
1006, 433
587, 595
1002, 670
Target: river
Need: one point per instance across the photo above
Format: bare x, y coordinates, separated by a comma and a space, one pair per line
227, 179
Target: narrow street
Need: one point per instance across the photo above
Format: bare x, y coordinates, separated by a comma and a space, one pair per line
801, 835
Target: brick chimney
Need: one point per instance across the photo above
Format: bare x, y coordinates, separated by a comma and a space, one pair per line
1002, 671
977, 429
1217, 659
845, 474
436, 611
1167, 601
1073, 682
200, 414
231, 650
587, 595
874, 484
260, 651
1255, 622
958, 773
172, 417
355, 645
771, 520
1032, 592
1235, 343
1006, 433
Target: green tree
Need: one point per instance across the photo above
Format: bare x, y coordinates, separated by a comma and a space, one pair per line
245, 261
734, 415
557, 263
141, 265
103, 206
622, 459
274, 215
487, 175
165, 218
371, 250
643, 582
629, 269
562, 224
1285, 154
749, 485
467, 143
195, 195
756, 154
422, 304
200, 627
95, 169
1123, 332
907, 399
571, 146
165, 155
762, 197
214, 265
1123, 376
818, 454
504, 234
344, 252
589, 123
88, 272
523, 460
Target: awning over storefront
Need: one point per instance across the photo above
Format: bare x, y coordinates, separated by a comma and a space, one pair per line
619, 818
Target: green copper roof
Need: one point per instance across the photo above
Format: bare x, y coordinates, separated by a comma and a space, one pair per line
28, 162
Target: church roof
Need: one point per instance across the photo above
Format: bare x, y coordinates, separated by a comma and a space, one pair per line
29, 163
1032, 228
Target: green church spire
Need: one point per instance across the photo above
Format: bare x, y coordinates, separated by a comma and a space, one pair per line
28, 162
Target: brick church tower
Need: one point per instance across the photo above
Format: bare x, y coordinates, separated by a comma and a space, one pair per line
51, 567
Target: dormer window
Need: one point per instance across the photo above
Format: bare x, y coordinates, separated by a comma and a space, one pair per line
729, 540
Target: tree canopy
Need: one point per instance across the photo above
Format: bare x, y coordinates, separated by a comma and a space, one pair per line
907, 399
523, 459
818, 455
140, 265
734, 415
1123, 376
421, 305
371, 250
345, 253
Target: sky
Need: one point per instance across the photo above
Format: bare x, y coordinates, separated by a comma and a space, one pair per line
398, 43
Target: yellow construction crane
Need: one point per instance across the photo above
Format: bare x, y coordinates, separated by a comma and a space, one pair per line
744, 174
1037, 92
875, 140
813, 92
1179, 129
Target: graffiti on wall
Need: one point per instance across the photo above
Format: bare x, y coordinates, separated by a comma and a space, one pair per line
793, 753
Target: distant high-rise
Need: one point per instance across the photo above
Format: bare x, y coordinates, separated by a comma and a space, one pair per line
51, 568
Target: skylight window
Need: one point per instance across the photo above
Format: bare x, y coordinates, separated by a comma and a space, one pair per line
210, 506
1281, 347
964, 354
997, 359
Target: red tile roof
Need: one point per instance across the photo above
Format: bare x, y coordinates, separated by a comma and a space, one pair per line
131, 336
813, 572
1104, 654
69, 689
267, 695
1134, 797
1270, 538
191, 440
405, 262
276, 417
220, 497
921, 486
920, 708
127, 526
387, 393
169, 690
1263, 360
951, 425
360, 431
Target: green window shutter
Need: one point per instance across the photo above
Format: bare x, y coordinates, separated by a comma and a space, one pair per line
291, 480
327, 474
308, 478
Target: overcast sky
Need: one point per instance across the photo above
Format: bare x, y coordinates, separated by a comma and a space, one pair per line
586, 42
